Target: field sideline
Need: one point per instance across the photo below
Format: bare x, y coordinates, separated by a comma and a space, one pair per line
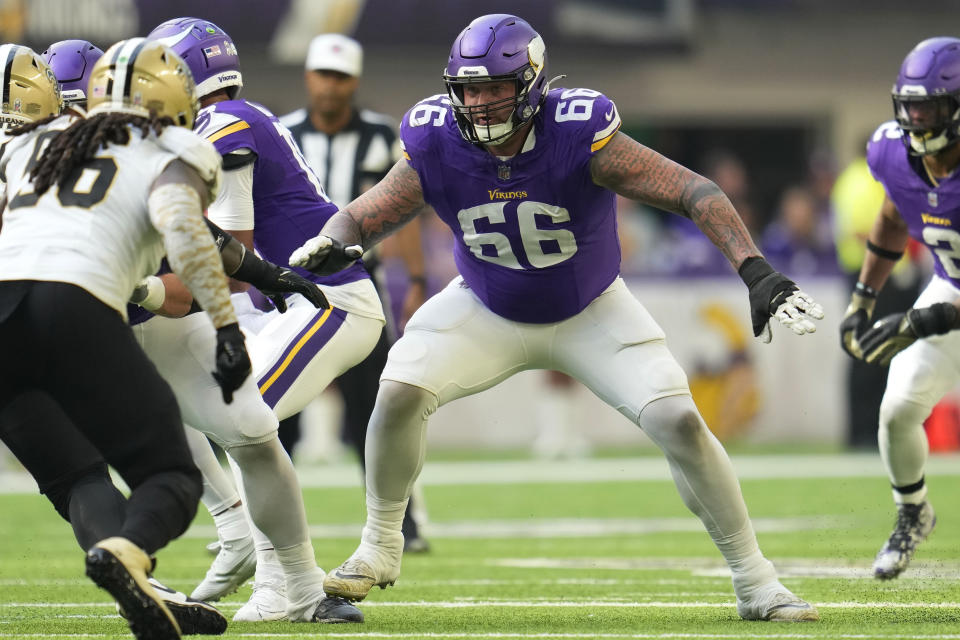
600, 548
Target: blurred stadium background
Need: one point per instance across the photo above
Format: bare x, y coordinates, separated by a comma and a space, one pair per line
772, 99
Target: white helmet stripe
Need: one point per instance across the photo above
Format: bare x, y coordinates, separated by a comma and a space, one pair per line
7, 54
122, 64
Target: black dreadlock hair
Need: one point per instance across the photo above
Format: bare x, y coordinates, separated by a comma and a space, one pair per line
78, 143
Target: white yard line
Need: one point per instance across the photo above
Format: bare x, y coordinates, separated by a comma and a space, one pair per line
468, 603
590, 470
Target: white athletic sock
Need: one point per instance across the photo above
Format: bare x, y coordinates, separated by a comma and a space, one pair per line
232, 524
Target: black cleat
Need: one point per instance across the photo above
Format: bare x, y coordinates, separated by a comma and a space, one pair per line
120, 567
333, 610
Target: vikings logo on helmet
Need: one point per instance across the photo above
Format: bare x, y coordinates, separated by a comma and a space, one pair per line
71, 62
493, 48
145, 78
30, 92
926, 96
207, 50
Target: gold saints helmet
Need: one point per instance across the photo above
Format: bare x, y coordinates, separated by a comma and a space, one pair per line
144, 78
30, 90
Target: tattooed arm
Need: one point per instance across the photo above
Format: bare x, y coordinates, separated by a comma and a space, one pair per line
634, 171
381, 210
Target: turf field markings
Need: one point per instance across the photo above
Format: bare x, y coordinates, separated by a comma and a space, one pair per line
545, 635
541, 528
529, 604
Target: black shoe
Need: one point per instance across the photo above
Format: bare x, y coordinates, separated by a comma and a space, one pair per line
193, 616
333, 609
120, 567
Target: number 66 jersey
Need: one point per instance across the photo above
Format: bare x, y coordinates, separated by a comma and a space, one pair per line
536, 239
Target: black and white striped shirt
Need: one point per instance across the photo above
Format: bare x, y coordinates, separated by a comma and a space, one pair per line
352, 160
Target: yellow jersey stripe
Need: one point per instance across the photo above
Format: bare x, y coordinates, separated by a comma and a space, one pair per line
233, 128
296, 349
600, 144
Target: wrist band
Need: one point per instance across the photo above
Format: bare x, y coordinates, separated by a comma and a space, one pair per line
865, 290
884, 253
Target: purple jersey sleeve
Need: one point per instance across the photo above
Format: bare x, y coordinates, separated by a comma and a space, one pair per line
536, 239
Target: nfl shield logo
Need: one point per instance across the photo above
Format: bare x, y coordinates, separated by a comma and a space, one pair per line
503, 171
932, 198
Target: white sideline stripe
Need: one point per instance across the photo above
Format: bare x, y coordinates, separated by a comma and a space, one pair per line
525, 604
563, 527
590, 470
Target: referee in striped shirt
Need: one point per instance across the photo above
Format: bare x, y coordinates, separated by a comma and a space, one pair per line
350, 150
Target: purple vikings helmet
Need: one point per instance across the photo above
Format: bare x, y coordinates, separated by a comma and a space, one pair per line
71, 62
926, 97
207, 50
492, 48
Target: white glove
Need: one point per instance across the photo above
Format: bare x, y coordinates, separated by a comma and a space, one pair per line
798, 312
324, 255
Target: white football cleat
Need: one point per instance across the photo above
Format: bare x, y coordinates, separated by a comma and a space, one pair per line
914, 524
235, 563
368, 567
775, 603
267, 603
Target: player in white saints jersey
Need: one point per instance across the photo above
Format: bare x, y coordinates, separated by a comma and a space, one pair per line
91, 205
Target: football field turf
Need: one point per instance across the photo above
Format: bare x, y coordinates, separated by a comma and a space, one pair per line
601, 548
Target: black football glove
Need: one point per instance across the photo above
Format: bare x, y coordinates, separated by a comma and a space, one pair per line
274, 281
892, 334
233, 363
856, 321
324, 255
774, 294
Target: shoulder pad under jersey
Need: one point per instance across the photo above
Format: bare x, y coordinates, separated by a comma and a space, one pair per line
196, 152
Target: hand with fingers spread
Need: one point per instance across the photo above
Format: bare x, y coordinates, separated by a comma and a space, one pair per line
774, 295
324, 255
892, 334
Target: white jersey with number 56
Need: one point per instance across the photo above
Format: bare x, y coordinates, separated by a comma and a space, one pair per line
94, 231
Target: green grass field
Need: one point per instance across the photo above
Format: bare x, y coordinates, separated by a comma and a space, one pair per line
523, 554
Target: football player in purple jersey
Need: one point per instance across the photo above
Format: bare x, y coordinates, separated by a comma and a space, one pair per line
271, 201
72, 62
526, 176
915, 157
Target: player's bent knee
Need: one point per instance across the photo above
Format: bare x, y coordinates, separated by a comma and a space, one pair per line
60, 492
402, 399
897, 413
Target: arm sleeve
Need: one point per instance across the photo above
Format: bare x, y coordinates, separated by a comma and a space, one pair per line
233, 208
176, 213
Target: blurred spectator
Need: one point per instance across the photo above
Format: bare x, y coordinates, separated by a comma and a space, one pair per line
799, 240
686, 250
856, 199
